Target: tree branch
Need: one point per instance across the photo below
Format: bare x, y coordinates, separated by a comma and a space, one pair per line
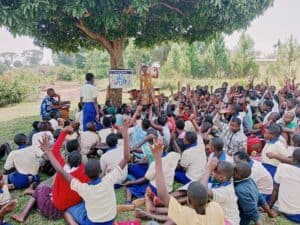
97, 37
169, 6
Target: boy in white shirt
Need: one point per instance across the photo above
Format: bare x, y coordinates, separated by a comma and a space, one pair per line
89, 138
43, 130
193, 159
286, 188
99, 204
222, 188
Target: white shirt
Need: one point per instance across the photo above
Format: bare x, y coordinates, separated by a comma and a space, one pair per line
111, 159
79, 119
88, 92
169, 164
100, 200
36, 138
278, 147
88, 139
227, 199
194, 161
262, 178
54, 124
288, 177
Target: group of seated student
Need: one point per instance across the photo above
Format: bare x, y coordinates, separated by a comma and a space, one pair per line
232, 153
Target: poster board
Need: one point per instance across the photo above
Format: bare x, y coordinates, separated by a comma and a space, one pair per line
120, 78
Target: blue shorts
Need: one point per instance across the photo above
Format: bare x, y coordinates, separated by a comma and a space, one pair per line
21, 181
294, 218
79, 214
181, 177
139, 190
137, 170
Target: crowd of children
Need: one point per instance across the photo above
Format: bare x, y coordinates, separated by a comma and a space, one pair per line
232, 153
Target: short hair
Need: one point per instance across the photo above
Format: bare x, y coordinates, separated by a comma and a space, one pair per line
56, 133
43, 126
274, 129
276, 115
92, 169
236, 120
152, 131
296, 140
89, 77
243, 169
226, 168
72, 145
269, 103
162, 120
236, 107
191, 137
50, 90
74, 159
20, 139
217, 143
242, 156
106, 121
35, 125
90, 126
180, 124
296, 156
112, 140
197, 194
145, 124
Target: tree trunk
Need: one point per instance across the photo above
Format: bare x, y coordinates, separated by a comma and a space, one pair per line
116, 62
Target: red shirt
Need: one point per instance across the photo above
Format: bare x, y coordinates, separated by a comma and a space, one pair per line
62, 195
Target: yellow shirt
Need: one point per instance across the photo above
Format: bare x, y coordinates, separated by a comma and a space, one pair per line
183, 215
100, 200
26, 161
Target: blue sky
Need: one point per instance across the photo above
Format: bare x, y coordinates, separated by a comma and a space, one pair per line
278, 22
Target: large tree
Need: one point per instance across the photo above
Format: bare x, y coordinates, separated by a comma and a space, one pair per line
68, 25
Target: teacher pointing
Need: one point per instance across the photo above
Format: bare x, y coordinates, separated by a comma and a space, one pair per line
88, 98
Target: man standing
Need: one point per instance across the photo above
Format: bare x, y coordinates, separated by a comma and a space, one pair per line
51, 103
88, 98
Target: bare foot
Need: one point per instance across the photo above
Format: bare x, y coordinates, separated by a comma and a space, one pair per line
29, 191
140, 214
18, 217
9, 207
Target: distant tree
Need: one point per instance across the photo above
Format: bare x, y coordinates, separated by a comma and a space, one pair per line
243, 60
8, 58
109, 24
217, 58
17, 64
32, 57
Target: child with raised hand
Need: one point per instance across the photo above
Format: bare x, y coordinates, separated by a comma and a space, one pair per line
198, 211
99, 206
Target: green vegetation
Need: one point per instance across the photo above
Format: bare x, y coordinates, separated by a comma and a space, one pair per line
9, 128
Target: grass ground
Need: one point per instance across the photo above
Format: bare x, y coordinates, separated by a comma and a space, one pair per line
11, 127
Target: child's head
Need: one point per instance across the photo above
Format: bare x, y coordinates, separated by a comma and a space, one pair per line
241, 156
272, 131
223, 172
112, 140
296, 140
216, 145
92, 169
89, 77
205, 127
106, 121
74, 159
180, 124
288, 117
197, 196
35, 125
242, 170
145, 124
162, 120
72, 145
267, 105
190, 138
43, 126
274, 116
20, 139
91, 126
235, 124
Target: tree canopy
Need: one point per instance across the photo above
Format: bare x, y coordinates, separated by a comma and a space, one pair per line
68, 25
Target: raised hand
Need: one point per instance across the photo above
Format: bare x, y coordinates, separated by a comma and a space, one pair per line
157, 149
45, 144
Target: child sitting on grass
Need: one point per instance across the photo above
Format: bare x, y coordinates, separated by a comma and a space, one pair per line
198, 212
248, 196
22, 166
99, 206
